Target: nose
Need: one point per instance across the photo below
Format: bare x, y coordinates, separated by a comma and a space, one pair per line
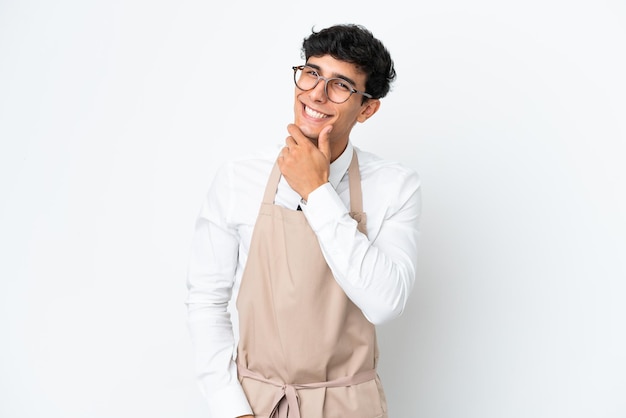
318, 93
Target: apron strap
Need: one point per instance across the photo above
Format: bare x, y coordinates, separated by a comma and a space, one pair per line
356, 196
272, 184
354, 177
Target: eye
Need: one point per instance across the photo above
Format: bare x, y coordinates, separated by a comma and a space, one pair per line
308, 71
339, 84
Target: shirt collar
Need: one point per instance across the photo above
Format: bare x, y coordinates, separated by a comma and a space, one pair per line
339, 167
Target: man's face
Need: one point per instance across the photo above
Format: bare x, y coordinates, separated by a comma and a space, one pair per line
313, 111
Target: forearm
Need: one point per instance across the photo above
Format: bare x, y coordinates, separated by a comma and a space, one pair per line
377, 273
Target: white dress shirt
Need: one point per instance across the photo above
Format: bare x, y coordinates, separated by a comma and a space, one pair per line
376, 272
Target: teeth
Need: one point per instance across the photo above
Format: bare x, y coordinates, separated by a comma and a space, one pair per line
313, 113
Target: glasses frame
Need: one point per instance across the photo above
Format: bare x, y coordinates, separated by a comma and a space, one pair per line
326, 80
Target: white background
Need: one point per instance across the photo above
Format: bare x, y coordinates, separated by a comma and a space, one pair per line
115, 114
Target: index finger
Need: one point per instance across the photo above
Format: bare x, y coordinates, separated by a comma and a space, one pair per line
296, 134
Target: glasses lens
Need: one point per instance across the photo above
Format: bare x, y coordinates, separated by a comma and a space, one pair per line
338, 90
305, 78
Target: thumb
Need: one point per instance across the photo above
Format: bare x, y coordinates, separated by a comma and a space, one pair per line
323, 144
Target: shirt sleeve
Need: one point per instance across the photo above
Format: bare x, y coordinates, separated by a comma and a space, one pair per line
210, 280
378, 272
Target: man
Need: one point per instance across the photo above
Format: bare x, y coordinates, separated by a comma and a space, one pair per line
315, 244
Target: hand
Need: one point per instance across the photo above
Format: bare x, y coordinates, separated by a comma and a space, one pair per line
305, 166
245, 416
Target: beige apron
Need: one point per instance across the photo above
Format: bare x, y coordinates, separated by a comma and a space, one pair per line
305, 350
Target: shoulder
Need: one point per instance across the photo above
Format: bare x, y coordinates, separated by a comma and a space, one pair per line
391, 189
238, 185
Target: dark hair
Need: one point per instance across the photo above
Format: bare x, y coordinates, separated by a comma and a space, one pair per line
354, 44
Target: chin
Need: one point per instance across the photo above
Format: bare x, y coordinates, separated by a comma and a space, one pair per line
310, 132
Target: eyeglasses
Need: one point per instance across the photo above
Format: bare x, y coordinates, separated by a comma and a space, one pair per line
337, 90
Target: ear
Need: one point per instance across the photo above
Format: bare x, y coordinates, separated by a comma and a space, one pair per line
368, 109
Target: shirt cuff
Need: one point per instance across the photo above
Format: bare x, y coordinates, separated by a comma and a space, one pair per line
228, 402
323, 207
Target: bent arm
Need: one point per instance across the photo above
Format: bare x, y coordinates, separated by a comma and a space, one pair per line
376, 273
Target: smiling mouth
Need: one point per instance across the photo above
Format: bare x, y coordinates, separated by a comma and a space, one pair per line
314, 114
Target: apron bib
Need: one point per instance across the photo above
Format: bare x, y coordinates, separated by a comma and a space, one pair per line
305, 350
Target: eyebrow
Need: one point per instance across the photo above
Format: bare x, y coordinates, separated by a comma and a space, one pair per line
334, 75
